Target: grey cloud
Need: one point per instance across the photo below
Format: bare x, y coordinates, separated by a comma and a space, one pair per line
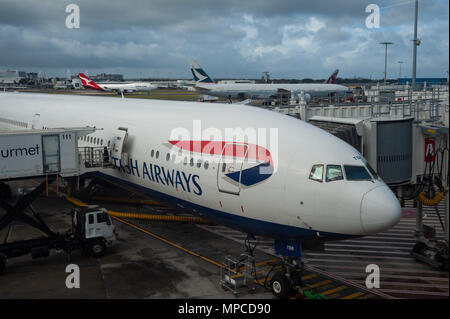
233, 38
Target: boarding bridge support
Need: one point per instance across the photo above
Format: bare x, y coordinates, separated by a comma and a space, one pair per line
17, 211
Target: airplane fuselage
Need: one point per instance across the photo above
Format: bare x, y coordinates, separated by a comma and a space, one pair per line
250, 90
223, 184
127, 87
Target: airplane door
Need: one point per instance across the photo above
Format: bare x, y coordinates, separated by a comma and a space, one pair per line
229, 170
120, 139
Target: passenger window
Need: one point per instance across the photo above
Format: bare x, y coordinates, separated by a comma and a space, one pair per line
91, 219
334, 173
316, 173
356, 173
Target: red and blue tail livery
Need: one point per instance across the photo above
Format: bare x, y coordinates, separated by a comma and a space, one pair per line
244, 163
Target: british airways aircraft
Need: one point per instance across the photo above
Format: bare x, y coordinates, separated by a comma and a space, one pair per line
306, 185
205, 85
116, 87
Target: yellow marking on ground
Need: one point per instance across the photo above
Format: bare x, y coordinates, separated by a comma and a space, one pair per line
331, 291
260, 281
309, 276
128, 200
265, 262
356, 294
319, 284
167, 241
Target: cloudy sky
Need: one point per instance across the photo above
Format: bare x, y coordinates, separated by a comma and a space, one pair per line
228, 38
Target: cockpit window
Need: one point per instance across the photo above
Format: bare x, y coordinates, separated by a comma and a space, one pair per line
372, 171
356, 173
334, 173
316, 173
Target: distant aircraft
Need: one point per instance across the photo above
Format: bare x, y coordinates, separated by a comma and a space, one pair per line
332, 77
205, 85
116, 87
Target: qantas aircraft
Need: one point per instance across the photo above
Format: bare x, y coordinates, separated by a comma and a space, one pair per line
116, 87
205, 85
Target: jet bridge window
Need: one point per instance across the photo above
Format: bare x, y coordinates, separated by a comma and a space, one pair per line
334, 173
316, 173
356, 173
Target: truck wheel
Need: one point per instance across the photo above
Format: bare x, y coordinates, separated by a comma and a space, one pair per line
96, 248
280, 285
2, 264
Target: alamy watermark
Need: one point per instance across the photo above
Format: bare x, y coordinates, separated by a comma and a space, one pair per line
373, 19
252, 145
373, 278
73, 19
73, 279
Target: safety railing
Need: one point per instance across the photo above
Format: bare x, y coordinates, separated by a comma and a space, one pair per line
94, 157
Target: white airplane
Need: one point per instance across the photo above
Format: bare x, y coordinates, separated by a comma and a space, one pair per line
116, 87
205, 85
306, 185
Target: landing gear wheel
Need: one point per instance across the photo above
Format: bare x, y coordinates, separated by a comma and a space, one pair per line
280, 285
2, 264
96, 248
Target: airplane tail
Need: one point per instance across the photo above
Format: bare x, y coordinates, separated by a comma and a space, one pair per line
199, 74
88, 83
332, 77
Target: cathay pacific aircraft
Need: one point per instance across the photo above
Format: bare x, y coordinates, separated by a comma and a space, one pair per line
205, 85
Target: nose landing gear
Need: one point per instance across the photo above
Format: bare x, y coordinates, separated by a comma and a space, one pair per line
284, 282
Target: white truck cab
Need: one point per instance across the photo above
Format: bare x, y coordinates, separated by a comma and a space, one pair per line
93, 226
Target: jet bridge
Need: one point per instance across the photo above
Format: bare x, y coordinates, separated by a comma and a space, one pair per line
41, 153
32, 153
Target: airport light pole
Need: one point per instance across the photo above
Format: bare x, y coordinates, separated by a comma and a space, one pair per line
385, 58
416, 43
400, 72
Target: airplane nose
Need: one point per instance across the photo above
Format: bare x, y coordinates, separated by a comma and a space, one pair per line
380, 210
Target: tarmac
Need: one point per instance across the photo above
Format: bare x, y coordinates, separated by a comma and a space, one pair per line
168, 260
